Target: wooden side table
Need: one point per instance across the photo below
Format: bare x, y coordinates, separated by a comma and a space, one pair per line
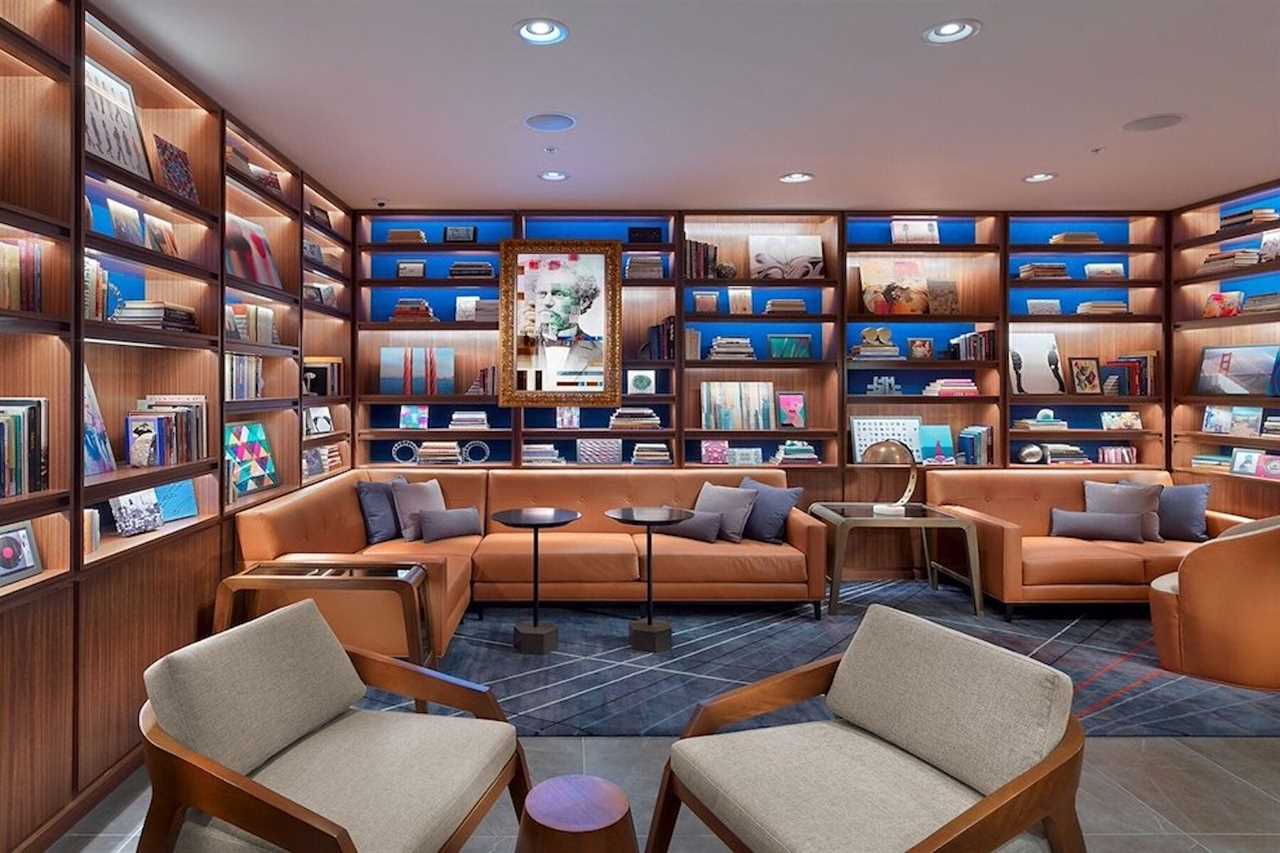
846, 517
576, 814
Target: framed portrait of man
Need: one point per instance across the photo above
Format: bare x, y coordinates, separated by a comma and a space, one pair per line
560, 323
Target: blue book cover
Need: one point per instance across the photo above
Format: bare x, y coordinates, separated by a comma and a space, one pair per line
177, 500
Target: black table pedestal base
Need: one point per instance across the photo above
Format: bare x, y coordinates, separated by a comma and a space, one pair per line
650, 638
530, 639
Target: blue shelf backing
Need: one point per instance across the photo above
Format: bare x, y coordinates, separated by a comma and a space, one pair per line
952, 231
911, 381
759, 334
1069, 298
128, 278
589, 418
1268, 198
492, 229
380, 451
383, 416
613, 229
443, 301
1041, 229
568, 449
940, 333
1077, 416
382, 266
1075, 263
693, 447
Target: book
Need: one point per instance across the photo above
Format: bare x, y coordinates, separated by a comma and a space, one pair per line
914, 230
21, 275
1067, 238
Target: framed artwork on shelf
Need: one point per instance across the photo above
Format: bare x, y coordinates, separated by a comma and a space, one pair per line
789, 256
1051, 307
98, 458
415, 417
739, 300
893, 286
1035, 363
19, 553
126, 223
1217, 420
706, 301
160, 236
175, 169
792, 410
1246, 421
318, 420
944, 298
560, 323
1085, 375
642, 381
251, 467
790, 346
914, 230
319, 215
459, 233
1121, 420
411, 269
744, 456
568, 417
1245, 461
714, 452
599, 451
920, 349
112, 127
1244, 370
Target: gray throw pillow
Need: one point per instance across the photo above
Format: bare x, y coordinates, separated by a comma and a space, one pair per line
413, 499
734, 506
1112, 526
1126, 498
704, 526
381, 524
768, 519
436, 524
1182, 512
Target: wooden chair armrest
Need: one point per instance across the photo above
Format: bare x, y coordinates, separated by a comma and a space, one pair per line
1043, 792
416, 682
186, 779
771, 694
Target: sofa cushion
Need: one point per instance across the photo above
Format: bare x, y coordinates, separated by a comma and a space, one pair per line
435, 525
1158, 558
241, 696
1182, 512
677, 560
1166, 583
411, 499
975, 711
768, 519
1117, 498
378, 506
704, 527
1116, 526
733, 504
583, 557
459, 546
820, 786
1048, 560
395, 782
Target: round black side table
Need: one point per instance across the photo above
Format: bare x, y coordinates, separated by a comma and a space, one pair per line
532, 638
647, 635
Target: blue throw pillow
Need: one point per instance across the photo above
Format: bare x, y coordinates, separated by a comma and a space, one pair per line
378, 506
1182, 511
768, 519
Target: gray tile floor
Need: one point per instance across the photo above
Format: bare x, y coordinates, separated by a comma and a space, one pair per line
1138, 795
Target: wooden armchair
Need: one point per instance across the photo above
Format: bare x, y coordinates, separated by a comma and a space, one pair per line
316, 775
872, 779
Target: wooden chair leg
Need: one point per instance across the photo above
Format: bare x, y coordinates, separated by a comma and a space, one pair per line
1062, 828
520, 783
665, 812
160, 830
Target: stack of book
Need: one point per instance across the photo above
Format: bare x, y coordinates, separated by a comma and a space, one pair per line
1261, 302
634, 417
1213, 461
951, 388
643, 266
439, 453
651, 454
974, 346
1223, 261
96, 285
1103, 306
1043, 270
974, 445
322, 376
180, 422
660, 340
1118, 455
21, 263
471, 269
469, 420
1248, 217
792, 452
732, 348
1112, 271
1040, 423
1075, 238
784, 306
699, 259
1271, 426
24, 445
541, 454
1130, 375
1064, 454
411, 309
486, 311
875, 352
244, 322
485, 384
157, 315
406, 235
243, 376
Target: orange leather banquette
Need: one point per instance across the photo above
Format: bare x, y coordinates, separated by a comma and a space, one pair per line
593, 559
1023, 564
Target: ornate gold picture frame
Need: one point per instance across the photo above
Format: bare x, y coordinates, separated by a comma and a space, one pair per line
560, 323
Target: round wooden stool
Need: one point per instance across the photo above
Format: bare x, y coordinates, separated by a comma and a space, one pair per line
584, 814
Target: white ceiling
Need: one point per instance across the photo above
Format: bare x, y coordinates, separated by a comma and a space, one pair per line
703, 103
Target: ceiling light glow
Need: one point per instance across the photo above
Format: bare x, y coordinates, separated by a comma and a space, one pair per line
796, 177
550, 122
542, 31
1040, 177
554, 176
951, 32
1160, 121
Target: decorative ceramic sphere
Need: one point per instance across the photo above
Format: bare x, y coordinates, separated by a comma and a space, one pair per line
724, 269
1030, 454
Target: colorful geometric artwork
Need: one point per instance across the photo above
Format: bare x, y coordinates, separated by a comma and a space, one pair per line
250, 465
175, 169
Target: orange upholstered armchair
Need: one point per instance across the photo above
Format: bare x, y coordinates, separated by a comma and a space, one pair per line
1218, 616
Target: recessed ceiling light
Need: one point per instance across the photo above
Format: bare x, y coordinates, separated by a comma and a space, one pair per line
951, 32
542, 31
550, 122
553, 176
551, 149
1040, 177
1155, 122
796, 177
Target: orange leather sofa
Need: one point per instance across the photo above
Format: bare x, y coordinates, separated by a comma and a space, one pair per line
593, 559
1218, 615
1023, 564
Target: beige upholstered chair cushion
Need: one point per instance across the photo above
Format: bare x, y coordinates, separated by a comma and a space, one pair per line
1166, 583
977, 712
824, 787
1258, 525
395, 781
241, 696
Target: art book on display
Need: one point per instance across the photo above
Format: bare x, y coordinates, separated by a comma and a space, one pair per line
98, 458
112, 129
136, 513
893, 286
250, 464
1217, 420
1246, 421
788, 256
175, 170
415, 417
937, 447
248, 252
1121, 420
160, 235
913, 230
318, 420
126, 224
1035, 363
715, 452
1242, 370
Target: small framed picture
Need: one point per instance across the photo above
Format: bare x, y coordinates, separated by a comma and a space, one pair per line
1245, 461
792, 411
1217, 419
411, 269
920, 349
19, 556
568, 417
706, 302
1044, 306
790, 346
459, 233
642, 381
319, 216
739, 300
1085, 375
